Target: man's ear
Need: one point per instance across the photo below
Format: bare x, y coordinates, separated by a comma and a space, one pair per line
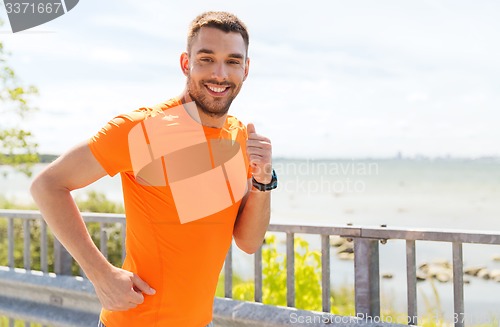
247, 67
184, 61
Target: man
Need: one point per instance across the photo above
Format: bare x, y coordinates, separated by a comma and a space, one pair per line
193, 177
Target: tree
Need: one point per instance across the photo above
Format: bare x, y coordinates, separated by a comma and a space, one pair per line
17, 146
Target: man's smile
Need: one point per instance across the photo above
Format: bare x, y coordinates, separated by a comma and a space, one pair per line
217, 90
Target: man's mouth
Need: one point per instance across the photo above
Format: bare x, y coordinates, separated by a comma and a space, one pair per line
217, 90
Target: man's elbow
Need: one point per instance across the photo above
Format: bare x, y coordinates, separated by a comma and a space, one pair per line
247, 246
42, 186
36, 187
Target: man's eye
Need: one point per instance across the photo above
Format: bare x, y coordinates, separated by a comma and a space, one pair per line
206, 59
233, 62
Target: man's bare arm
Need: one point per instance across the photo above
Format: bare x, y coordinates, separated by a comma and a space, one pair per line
252, 221
51, 191
255, 209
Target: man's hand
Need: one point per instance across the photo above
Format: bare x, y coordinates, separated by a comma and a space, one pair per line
121, 290
259, 151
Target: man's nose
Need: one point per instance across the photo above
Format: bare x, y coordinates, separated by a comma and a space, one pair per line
220, 72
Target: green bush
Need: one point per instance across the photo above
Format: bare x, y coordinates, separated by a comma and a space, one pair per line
4, 322
97, 202
307, 280
94, 202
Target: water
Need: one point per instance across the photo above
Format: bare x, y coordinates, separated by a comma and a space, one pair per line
444, 193
450, 194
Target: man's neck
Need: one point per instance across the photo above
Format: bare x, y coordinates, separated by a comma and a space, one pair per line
201, 117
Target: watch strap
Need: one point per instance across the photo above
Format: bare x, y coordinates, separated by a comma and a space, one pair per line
266, 187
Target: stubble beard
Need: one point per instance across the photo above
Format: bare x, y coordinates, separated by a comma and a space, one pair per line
211, 106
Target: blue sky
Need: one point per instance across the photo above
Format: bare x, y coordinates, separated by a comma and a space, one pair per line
327, 78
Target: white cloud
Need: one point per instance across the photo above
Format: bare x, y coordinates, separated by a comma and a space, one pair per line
110, 55
345, 79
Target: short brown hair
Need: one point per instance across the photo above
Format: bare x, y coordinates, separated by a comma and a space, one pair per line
221, 20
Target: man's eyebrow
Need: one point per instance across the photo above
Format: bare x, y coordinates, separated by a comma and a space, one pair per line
208, 51
232, 55
236, 56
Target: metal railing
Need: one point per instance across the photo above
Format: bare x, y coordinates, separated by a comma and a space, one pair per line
366, 257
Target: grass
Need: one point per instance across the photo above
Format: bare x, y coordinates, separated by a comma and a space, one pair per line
4, 322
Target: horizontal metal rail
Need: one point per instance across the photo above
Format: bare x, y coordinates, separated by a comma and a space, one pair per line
366, 242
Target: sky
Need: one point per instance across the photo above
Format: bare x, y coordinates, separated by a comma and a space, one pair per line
329, 79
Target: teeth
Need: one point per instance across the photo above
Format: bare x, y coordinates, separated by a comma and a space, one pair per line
217, 89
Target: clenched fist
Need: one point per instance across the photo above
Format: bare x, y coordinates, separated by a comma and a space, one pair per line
259, 151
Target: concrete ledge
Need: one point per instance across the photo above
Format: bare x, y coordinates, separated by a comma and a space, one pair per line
60, 292
65, 301
231, 313
61, 301
46, 314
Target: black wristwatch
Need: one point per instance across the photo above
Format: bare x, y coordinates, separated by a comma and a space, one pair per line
266, 187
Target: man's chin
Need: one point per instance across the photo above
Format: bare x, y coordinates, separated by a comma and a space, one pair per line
214, 111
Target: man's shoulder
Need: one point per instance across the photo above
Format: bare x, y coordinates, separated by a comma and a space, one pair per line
162, 106
233, 123
142, 113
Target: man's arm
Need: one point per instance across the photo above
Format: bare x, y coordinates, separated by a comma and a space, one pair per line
51, 191
253, 220
255, 209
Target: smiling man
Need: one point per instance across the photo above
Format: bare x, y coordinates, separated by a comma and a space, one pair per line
193, 178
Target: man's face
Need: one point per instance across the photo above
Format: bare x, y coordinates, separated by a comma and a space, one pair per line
216, 68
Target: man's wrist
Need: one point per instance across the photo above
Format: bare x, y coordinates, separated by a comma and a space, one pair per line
98, 270
263, 180
270, 185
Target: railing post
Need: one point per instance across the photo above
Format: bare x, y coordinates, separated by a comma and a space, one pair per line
103, 246
43, 247
27, 244
290, 269
124, 231
258, 275
325, 273
10, 240
62, 259
458, 284
367, 278
411, 282
228, 274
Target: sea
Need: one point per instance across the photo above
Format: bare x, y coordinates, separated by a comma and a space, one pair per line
439, 193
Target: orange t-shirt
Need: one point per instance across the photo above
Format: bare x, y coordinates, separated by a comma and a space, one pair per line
182, 186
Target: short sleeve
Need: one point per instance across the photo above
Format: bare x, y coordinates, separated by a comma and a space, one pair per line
110, 146
242, 139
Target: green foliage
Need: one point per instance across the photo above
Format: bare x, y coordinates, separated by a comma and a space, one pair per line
35, 251
307, 275
4, 322
274, 273
343, 301
307, 278
433, 305
95, 202
8, 204
47, 158
17, 147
